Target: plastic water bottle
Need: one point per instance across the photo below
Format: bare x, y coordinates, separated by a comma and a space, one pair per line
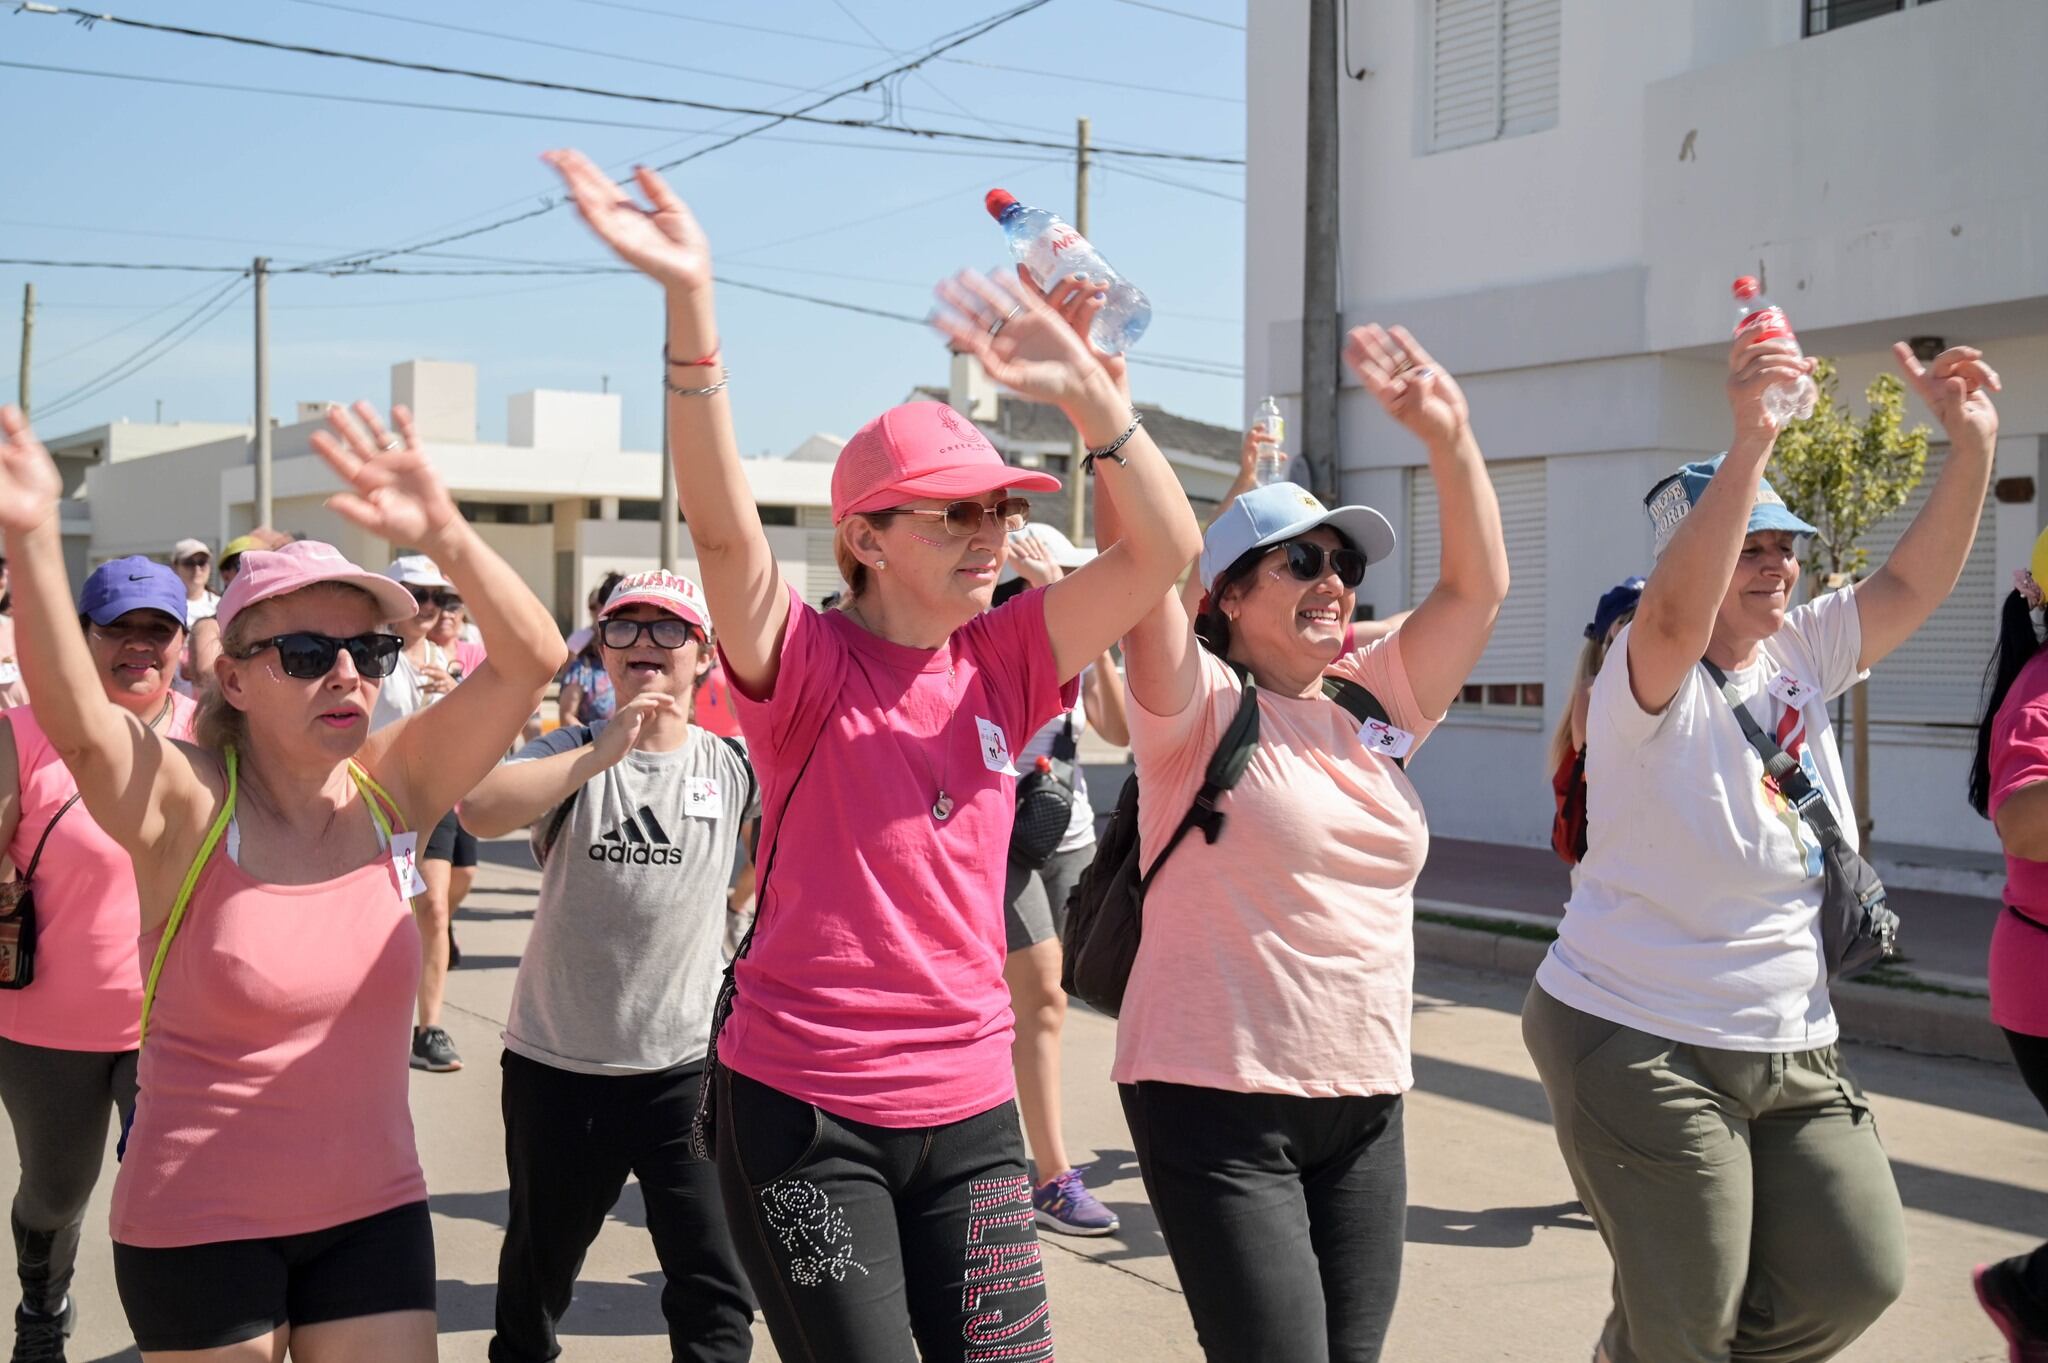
1269, 461
1051, 250
1784, 401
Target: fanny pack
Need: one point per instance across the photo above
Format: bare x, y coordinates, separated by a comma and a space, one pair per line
18, 914
1045, 803
1858, 929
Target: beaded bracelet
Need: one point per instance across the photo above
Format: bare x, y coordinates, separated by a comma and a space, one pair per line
675, 363
1109, 451
724, 376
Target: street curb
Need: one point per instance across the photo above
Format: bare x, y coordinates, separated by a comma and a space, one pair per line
1938, 1024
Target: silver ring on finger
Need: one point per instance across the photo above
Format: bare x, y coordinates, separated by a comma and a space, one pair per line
1004, 321
393, 443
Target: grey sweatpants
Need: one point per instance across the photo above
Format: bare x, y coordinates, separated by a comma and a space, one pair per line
59, 1103
1744, 1197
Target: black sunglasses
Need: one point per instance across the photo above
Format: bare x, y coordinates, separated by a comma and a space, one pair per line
964, 518
1308, 560
309, 656
667, 632
438, 597
196, 561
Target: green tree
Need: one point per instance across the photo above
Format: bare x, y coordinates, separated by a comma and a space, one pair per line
1846, 476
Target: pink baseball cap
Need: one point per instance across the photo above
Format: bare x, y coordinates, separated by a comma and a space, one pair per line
922, 449
678, 596
305, 563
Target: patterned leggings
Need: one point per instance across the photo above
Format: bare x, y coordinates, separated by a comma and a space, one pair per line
861, 1238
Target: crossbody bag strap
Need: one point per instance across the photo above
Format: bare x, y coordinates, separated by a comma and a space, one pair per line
1064, 746
178, 906
1360, 703
36, 858
1781, 766
1226, 765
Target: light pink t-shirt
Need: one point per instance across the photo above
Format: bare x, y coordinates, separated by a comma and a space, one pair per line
1282, 958
2019, 951
274, 1083
87, 994
874, 987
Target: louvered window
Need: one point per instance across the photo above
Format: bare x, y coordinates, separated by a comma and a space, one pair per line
1510, 672
1492, 69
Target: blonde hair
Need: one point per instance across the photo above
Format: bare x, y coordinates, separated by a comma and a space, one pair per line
1590, 659
217, 725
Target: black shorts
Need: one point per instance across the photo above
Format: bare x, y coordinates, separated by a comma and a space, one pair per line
450, 842
210, 1296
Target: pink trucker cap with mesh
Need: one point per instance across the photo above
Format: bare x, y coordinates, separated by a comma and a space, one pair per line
922, 449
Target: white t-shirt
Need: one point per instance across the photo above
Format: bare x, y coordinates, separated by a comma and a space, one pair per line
404, 691
1081, 824
1697, 912
202, 609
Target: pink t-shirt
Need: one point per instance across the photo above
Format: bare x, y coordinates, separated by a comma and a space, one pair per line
87, 994
469, 656
1282, 958
274, 1083
874, 987
2019, 951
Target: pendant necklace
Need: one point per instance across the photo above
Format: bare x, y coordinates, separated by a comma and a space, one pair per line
942, 804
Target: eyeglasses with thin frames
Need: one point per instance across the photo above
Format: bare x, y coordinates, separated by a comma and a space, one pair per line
964, 518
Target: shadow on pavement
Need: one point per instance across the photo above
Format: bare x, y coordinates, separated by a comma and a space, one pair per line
127, 1355
632, 1308
476, 960
467, 914
494, 1209
1494, 1228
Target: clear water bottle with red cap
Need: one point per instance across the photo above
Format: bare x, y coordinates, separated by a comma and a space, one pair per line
1052, 250
1789, 401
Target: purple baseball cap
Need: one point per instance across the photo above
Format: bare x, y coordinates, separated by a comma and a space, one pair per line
132, 584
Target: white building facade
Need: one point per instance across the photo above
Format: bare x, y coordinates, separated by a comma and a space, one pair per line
1554, 196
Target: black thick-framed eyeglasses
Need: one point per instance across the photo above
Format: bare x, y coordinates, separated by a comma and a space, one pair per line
667, 632
1308, 561
308, 656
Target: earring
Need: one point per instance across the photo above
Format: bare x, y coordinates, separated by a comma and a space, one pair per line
880, 564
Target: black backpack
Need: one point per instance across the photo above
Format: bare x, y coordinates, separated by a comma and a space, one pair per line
1105, 912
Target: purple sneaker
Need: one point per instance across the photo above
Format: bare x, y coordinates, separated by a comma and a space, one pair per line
1065, 1205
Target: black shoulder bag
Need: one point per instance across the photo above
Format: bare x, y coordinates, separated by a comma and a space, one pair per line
1045, 803
18, 914
1858, 929
1105, 913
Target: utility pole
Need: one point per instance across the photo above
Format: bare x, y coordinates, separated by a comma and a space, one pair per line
28, 336
670, 515
1321, 312
261, 271
1077, 481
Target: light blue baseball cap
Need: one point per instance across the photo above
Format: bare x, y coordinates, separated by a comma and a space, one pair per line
1674, 498
1278, 512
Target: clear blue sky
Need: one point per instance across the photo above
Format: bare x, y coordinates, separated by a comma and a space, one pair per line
101, 169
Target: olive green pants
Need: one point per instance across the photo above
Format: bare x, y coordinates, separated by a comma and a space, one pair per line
1744, 1197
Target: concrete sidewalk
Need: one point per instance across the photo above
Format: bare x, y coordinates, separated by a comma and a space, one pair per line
1499, 1263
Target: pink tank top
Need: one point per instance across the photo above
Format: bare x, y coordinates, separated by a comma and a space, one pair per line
274, 1077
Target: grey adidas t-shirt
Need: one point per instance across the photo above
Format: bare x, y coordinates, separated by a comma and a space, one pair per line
623, 966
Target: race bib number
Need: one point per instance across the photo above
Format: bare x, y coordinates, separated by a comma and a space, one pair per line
1386, 739
701, 798
1791, 690
10, 672
405, 862
995, 749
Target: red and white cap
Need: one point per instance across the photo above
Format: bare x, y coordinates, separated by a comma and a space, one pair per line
678, 596
268, 573
922, 449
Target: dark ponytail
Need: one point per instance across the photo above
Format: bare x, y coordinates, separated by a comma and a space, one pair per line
2017, 645
1212, 626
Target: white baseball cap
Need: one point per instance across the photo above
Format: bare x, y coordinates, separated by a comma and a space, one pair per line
678, 596
1063, 551
416, 570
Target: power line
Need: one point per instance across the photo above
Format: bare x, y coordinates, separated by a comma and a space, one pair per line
121, 265
278, 92
1181, 14
563, 87
181, 331
1179, 184
147, 312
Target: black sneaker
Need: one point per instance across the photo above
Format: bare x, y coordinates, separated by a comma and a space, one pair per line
2004, 1299
40, 1339
433, 1051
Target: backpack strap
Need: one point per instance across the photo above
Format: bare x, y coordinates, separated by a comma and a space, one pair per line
1226, 765
561, 815
178, 906
739, 750
1360, 703
1065, 747
1781, 767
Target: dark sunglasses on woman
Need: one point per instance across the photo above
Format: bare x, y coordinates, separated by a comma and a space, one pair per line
666, 633
964, 518
436, 598
1307, 560
309, 656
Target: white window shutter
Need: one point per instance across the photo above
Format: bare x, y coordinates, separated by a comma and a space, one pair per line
1532, 41
821, 566
1517, 650
1464, 72
1936, 677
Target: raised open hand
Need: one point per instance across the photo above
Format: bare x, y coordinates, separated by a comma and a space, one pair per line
1033, 560
1020, 339
397, 495
663, 241
29, 482
1407, 383
1957, 389
1079, 300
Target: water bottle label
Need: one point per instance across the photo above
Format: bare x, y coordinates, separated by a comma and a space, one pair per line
1770, 323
